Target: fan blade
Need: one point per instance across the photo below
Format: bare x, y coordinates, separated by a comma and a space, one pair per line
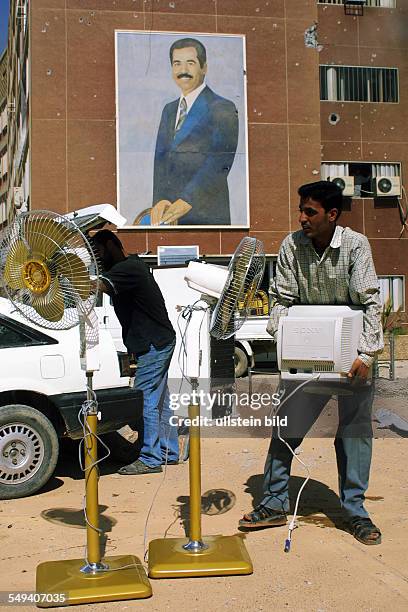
73, 268
44, 236
51, 305
17, 257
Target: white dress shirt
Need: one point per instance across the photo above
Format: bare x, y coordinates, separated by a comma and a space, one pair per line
190, 99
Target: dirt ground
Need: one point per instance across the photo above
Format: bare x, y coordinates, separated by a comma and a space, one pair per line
327, 569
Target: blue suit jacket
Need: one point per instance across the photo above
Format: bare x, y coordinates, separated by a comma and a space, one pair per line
193, 163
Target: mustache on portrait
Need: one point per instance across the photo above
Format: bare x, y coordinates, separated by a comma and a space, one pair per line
184, 75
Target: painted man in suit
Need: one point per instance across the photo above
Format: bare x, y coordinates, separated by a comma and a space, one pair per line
195, 147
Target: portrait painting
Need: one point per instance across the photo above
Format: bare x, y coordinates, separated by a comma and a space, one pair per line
181, 123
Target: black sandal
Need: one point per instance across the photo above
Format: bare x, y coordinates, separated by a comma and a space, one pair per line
364, 530
262, 516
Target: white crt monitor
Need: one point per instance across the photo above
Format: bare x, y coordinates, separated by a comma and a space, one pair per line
318, 340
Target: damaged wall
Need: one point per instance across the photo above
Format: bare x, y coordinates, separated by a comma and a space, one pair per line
73, 105
370, 132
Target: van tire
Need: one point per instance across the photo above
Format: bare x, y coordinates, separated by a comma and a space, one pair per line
240, 361
31, 437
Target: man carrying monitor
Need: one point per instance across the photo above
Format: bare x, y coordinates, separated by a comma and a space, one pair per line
324, 263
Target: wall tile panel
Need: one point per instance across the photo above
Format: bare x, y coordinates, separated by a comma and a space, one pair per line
268, 172
266, 69
91, 163
48, 64
48, 165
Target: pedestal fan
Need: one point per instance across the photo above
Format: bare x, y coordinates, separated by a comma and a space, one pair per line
46, 264
233, 289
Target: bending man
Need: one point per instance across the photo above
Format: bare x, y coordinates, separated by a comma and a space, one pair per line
149, 336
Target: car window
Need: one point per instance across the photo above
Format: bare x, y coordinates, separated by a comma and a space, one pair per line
14, 334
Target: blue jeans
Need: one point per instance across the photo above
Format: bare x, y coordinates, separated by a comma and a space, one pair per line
353, 446
158, 438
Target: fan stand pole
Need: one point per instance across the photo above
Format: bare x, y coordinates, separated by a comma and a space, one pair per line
109, 579
93, 561
197, 556
195, 542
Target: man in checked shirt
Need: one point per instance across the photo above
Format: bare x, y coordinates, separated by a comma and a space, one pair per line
324, 263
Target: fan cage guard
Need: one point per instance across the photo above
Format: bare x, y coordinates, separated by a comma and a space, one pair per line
245, 273
46, 264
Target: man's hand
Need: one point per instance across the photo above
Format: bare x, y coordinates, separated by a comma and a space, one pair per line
175, 211
158, 211
358, 372
98, 286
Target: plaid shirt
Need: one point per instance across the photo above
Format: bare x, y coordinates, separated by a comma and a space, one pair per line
344, 274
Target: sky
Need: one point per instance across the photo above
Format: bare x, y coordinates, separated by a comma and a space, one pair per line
4, 11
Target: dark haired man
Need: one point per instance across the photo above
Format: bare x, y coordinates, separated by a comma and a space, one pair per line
195, 147
324, 263
149, 336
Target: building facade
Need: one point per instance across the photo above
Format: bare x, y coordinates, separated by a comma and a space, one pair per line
18, 99
3, 137
326, 96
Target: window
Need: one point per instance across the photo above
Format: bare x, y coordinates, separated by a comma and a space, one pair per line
14, 335
392, 289
363, 175
358, 84
372, 3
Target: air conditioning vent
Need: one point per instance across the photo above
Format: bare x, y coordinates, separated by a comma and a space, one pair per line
346, 344
346, 184
307, 364
388, 186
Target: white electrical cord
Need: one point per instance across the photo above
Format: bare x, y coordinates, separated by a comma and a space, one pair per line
86, 407
292, 524
186, 313
145, 548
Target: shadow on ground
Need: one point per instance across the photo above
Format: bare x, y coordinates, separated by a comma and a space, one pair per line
213, 502
319, 505
68, 465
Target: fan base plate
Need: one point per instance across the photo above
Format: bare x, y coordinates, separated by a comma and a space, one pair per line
225, 556
65, 577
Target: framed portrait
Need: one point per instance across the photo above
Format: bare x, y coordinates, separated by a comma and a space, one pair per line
182, 150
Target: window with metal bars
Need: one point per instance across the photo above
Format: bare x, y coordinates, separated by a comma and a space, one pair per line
372, 3
358, 84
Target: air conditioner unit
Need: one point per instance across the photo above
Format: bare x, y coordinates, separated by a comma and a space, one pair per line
318, 340
346, 183
18, 196
388, 186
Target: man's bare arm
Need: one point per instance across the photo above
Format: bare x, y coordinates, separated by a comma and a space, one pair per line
99, 286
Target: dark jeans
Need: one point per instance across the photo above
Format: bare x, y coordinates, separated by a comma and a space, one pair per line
353, 445
158, 437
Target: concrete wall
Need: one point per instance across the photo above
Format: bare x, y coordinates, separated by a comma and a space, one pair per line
370, 132
73, 105
73, 132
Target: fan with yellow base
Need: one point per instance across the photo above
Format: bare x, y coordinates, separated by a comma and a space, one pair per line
46, 264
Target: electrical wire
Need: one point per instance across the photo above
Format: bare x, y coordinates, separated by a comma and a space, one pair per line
90, 406
161, 483
87, 407
403, 210
186, 313
274, 412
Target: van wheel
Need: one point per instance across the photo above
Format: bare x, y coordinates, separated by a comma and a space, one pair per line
240, 361
28, 450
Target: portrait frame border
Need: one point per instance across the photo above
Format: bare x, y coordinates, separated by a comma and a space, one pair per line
165, 228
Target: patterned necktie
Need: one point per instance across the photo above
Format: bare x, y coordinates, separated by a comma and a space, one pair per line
182, 114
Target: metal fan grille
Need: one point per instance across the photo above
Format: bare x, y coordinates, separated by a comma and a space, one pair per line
245, 273
45, 267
